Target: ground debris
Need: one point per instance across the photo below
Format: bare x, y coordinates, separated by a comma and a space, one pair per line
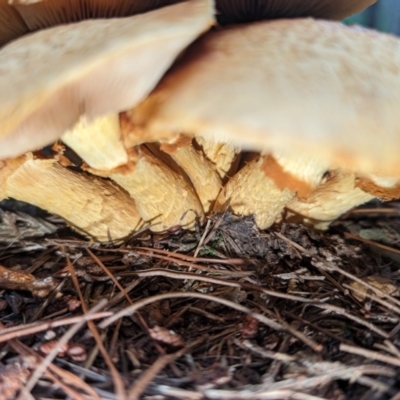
21, 280
18, 228
224, 312
385, 285
14, 375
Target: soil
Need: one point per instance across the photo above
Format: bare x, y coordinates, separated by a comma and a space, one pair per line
225, 312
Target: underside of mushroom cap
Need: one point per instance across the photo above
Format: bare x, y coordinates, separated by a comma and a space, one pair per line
236, 11
40, 14
128, 56
320, 87
11, 23
20, 16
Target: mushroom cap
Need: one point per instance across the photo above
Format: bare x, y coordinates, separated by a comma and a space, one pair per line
314, 88
237, 11
20, 16
11, 23
39, 14
96, 67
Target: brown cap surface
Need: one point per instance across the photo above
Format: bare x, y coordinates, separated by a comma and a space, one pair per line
301, 86
50, 78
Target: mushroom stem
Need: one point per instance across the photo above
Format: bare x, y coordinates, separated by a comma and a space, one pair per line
253, 191
199, 169
330, 200
225, 157
99, 142
162, 196
92, 206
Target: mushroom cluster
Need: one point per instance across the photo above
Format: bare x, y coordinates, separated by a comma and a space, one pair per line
163, 113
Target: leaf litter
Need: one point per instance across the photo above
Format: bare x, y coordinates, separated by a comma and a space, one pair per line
224, 312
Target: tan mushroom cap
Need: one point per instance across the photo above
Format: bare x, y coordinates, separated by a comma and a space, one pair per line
92, 68
318, 88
